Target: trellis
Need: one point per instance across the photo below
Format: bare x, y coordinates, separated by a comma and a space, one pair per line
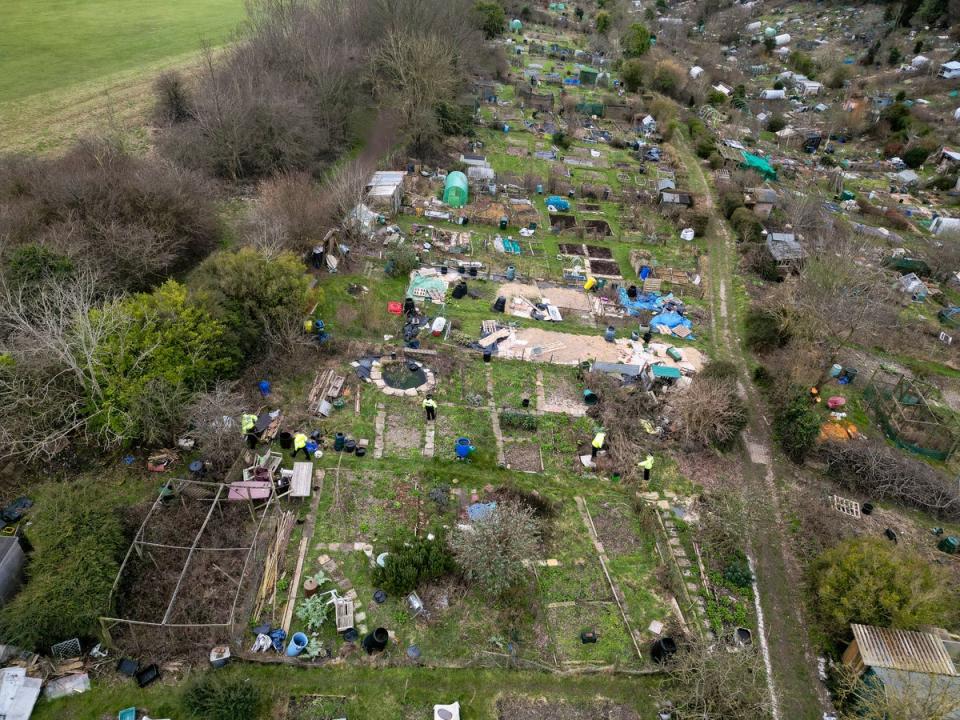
190, 491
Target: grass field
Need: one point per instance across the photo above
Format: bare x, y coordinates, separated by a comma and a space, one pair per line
53, 44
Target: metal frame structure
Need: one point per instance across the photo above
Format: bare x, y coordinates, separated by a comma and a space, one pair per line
215, 493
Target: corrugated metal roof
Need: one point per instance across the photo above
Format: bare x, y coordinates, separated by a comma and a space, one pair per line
902, 650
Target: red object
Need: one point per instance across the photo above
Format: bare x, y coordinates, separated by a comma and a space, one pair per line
835, 402
395, 308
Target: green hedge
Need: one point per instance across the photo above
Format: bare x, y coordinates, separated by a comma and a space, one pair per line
77, 548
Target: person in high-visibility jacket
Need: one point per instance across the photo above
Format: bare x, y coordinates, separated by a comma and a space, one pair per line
430, 407
300, 443
647, 465
308, 326
248, 424
597, 445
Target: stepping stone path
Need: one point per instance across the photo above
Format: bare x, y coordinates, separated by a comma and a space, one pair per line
495, 419
378, 426
675, 546
343, 583
429, 437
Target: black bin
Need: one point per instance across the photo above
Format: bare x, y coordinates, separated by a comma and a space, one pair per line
376, 641
662, 649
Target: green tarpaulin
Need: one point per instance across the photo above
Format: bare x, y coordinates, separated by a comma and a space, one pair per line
755, 162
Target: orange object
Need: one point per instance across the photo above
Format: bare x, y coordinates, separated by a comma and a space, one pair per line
395, 308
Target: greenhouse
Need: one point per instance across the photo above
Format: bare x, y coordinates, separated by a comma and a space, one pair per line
455, 189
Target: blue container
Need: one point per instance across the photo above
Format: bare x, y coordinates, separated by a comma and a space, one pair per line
264, 387
511, 272
338, 441
298, 643
539, 189
463, 448
610, 334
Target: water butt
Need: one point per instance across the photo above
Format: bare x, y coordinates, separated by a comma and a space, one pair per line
376, 641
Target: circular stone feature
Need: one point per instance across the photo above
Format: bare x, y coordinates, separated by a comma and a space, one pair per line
402, 377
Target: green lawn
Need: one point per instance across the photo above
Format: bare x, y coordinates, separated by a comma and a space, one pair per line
54, 44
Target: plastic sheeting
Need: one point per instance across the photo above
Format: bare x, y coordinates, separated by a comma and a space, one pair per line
643, 301
671, 320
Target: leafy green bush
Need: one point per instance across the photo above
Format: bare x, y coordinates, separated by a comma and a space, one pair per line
762, 377
252, 293
737, 572
776, 123
519, 420
413, 561
796, 424
874, 582
632, 73
636, 41
705, 148
915, 156
30, 265
314, 611
77, 547
746, 225
764, 331
401, 261
165, 340
213, 696
730, 200
491, 17
561, 140
720, 370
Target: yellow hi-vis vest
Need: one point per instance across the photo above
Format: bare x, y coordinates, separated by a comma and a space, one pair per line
428, 403
647, 463
598, 440
299, 441
248, 422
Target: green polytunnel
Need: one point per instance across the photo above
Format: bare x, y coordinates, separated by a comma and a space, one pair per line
516, 25
455, 189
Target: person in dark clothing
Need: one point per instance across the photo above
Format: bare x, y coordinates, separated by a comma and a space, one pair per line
430, 406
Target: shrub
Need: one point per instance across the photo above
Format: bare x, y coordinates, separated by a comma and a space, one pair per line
78, 543
746, 225
796, 424
730, 200
720, 370
632, 73
213, 696
764, 331
636, 41
715, 160
776, 123
915, 156
32, 265
737, 572
711, 413
874, 582
668, 77
492, 551
401, 261
705, 148
252, 293
762, 377
561, 140
164, 339
715, 97
603, 22
492, 19
413, 561
133, 220
519, 420
174, 102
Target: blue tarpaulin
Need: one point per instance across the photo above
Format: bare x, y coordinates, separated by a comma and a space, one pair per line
643, 301
478, 511
558, 202
670, 319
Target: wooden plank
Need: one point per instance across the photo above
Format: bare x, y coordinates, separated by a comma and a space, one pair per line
495, 337
300, 482
295, 585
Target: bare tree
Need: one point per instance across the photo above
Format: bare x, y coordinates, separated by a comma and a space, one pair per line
708, 682
492, 550
912, 696
53, 338
213, 419
839, 297
709, 412
880, 472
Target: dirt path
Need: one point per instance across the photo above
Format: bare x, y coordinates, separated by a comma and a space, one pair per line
796, 692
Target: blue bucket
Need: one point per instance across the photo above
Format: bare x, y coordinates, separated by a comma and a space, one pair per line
298, 643
463, 448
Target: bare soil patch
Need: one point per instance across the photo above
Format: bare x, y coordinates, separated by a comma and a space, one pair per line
605, 267
523, 456
615, 529
401, 436
595, 251
515, 707
571, 248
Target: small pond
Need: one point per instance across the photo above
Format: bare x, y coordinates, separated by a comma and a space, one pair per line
404, 375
